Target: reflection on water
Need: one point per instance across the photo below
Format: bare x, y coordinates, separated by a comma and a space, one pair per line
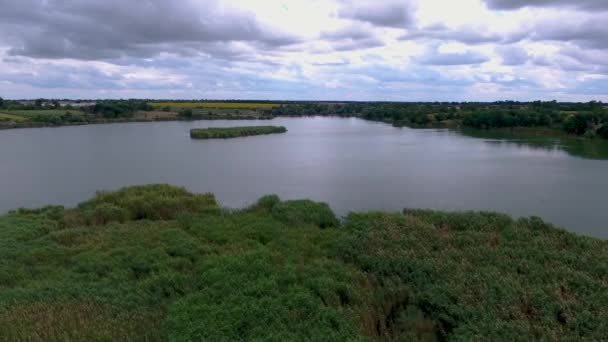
543, 140
353, 165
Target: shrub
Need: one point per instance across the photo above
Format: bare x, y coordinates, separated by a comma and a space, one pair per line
265, 204
106, 213
153, 202
305, 212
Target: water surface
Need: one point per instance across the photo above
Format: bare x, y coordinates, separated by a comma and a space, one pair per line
350, 163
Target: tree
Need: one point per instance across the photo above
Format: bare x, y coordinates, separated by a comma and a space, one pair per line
1, 102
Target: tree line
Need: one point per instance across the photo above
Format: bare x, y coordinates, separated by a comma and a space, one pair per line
582, 119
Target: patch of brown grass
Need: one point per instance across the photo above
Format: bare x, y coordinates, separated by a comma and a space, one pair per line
77, 322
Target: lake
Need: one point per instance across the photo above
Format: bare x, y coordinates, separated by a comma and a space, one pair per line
353, 165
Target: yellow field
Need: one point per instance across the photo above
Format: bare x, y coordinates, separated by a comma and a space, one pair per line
220, 105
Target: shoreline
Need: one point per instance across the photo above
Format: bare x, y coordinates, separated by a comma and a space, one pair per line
129, 120
508, 132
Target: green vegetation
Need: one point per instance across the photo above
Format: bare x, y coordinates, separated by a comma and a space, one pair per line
10, 118
118, 109
29, 113
580, 119
222, 105
234, 132
38, 115
577, 119
41, 117
158, 263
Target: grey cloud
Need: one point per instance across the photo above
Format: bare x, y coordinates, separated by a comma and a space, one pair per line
513, 55
115, 28
572, 58
438, 58
397, 14
589, 33
70, 78
355, 32
466, 35
516, 4
593, 58
352, 38
347, 45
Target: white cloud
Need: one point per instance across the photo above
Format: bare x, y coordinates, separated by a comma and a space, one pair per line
304, 49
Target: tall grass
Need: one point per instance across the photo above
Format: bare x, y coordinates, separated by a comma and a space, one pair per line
235, 132
159, 263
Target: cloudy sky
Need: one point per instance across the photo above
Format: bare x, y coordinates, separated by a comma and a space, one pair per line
401, 50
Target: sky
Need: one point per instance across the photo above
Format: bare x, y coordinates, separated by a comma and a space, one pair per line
363, 50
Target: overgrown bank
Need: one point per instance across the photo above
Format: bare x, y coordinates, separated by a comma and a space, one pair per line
577, 119
159, 263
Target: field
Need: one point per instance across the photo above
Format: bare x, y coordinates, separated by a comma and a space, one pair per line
234, 132
40, 112
10, 117
219, 105
156, 263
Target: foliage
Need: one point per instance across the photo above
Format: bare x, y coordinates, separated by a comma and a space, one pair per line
480, 276
152, 202
119, 109
588, 119
195, 272
222, 105
303, 212
235, 132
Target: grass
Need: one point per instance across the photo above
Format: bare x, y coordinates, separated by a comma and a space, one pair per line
159, 263
219, 105
30, 113
10, 117
234, 132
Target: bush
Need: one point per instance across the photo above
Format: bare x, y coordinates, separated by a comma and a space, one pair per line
265, 204
153, 202
305, 212
106, 213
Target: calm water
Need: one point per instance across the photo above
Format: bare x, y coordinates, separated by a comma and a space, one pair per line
349, 163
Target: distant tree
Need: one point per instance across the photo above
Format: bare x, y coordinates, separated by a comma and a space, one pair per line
38, 103
186, 113
1, 102
56, 104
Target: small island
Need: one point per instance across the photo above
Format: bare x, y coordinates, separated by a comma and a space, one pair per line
234, 132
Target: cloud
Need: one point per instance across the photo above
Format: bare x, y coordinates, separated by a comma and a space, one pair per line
354, 32
513, 55
397, 14
591, 87
304, 49
516, 4
465, 34
107, 29
437, 57
353, 37
588, 32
